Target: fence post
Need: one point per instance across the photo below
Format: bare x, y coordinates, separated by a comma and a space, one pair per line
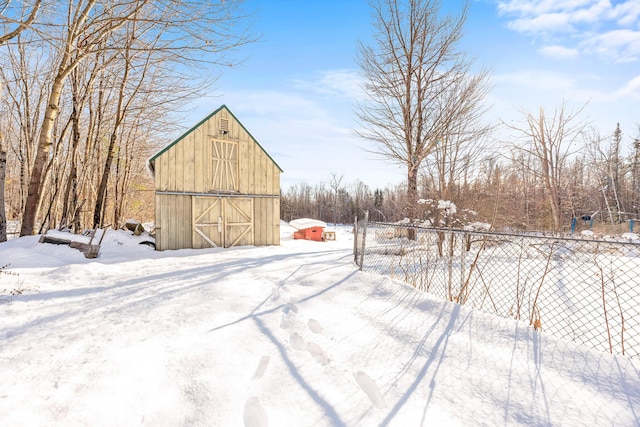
364, 238
463, 265
355, 239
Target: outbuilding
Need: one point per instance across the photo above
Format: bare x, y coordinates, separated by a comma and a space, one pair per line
216, 186
311, 229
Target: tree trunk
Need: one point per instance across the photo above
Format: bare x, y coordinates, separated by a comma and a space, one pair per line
100, 207
555, 208
102, 187
34, 193
549, 172
70, 197
3, 215
412, 199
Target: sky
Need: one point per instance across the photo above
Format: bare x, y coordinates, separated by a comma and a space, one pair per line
289, 335
296, 88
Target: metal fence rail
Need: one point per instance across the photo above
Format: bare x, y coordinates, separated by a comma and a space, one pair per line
586, 291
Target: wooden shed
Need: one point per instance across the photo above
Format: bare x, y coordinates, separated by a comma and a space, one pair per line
216, 186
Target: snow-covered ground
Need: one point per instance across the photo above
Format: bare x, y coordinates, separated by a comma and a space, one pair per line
292, 335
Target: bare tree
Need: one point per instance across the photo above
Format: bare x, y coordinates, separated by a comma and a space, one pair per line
635, 177
411, 71
615, 170
335, 183
605, 163
21, 22
3, 170
550, 140
20, 17
180, 34
362, 199
460, 147
85, 33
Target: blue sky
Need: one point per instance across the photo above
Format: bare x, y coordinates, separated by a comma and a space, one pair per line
296, 90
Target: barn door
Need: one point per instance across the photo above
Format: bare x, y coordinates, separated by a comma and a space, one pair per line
222, 221
238, 221
224, 158
208, 222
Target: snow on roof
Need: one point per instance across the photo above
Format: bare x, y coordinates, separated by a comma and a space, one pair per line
303, 223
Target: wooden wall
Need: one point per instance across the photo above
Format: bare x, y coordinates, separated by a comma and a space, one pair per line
268, 210
173, 222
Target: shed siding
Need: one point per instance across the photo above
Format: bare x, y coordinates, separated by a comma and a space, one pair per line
173, 221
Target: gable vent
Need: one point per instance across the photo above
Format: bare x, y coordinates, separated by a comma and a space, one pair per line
224, 126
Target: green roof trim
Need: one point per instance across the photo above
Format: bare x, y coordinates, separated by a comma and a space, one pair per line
200, 123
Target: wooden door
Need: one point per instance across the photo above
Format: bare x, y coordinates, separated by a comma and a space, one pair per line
208, 222
238, 221
224, 171
222, 221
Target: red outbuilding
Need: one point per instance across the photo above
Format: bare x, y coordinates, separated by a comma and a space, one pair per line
308, 229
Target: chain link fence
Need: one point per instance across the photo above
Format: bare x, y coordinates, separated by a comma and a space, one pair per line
583, 290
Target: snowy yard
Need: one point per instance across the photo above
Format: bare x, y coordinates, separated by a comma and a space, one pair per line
292, 335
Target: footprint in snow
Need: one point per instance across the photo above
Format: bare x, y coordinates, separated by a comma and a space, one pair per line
289, 308
314, 326
297, 342
318, 353
370, 388
254, 414
284, 322
275, 294
262, 367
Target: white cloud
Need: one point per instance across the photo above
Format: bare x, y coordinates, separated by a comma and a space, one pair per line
539, 79
591, 26
540, 7
343, 83
630, 90
606, 99
620, 45
559, 52
274, 103
549, 22
627, 13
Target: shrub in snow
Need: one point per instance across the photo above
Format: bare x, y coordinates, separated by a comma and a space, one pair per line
7, 294
448, 207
